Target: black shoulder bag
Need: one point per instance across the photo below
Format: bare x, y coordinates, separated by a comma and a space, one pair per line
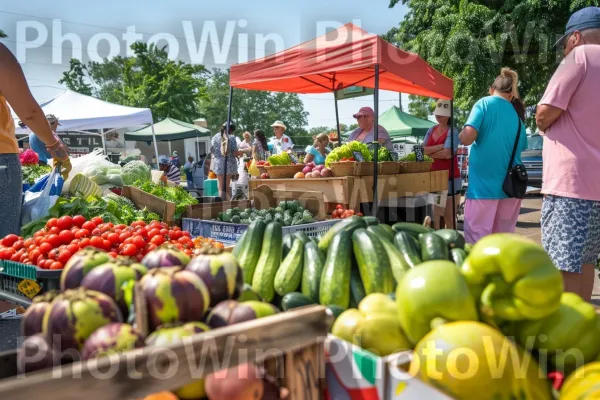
515, 183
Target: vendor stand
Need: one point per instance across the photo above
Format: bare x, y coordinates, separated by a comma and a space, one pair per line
348, 56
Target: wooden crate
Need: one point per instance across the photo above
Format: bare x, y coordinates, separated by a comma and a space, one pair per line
165, 209
208, 211
289, 344
264, 197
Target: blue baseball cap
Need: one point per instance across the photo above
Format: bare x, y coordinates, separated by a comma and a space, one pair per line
586, 18
163, 160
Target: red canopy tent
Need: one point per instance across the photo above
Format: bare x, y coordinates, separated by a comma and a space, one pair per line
348, 56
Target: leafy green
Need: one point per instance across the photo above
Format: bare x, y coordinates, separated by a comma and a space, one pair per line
31, 173
175, 194
384, 154
135, 171
412, 157
280, 159
347, 151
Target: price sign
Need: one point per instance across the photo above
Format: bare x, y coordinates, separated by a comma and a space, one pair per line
419, 153
358, 156
293, 158
394, 155
29, 288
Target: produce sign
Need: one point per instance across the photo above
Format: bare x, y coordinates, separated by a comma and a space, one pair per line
175, 194
288, 213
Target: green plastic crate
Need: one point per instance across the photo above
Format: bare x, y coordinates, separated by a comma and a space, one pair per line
13, 273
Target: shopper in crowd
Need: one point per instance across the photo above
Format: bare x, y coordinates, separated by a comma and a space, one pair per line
36, 144
365, 117
14, 90
171, 172
245, 152
175, 159
224, 146
188, 168
569, 116
438, 145
317, 153
281, 142
261, 147
491, 129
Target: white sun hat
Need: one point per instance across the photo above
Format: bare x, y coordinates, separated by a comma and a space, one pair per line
279, 123
442, 108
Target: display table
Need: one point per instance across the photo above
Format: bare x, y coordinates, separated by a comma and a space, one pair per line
351, 191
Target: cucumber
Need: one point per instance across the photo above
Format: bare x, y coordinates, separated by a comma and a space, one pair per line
335, 280
411, 228
314, 260
373, 262
250, 249
370, 221
458, 256
288, 242
301, 236
398, 264
294, 300
268, 263
289, 274
357, 290
433, 247
347, 225
240, 243
381, 232
406, 245
454, 238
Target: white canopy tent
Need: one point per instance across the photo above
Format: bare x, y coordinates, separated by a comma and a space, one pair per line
80, 113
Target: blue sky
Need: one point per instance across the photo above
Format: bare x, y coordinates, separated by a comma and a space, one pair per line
186, 21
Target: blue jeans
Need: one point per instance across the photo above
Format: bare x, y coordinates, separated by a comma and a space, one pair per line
11, 194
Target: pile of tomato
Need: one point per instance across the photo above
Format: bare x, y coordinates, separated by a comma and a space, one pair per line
341, 213
53, 246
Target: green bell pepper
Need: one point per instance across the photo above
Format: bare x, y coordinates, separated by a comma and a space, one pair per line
569, 336
433, 293
512, 278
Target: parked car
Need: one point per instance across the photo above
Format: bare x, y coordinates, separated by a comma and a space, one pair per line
532, 159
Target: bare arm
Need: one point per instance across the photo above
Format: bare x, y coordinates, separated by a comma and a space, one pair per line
468, 135
308, 158
429, 150
443, 154
546, 115
14, 87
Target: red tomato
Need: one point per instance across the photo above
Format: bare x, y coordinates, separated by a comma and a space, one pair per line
186, 234
109, 225
106, 245
64, 256
89, 225
54, 241
175, 234
97, 220
15, 257
18, 245
78, 220
9, 240
113, 254
121, 227
142, 231
73, 248
105, 235
85, 242
31, 248
52, 222
129, 250
138, 223
53, 254
139, 241
28, 242
34, 255
41, 261
153, 232
157, 240
360, 215
97, 232
45, 248
124, 236
4, 254
139, 257
23, 257
54, 231
56, 265
164, 231
113, 238
38, 240
66, 237
97, 242
82, 233
150, 247
339, 207
65, 222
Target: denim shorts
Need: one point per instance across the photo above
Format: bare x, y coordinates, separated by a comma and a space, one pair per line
571, 231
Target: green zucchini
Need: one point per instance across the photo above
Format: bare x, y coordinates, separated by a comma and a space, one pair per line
294, 300
268, 263
314, 260
406, 245
239, 245
335, 280
302, 236
433, 247
357, 290
370, 221
458, 256
381, 232
454, 238
250, 249
411, 228
347, 225
289, 274
288, 242
373, 262
398, 264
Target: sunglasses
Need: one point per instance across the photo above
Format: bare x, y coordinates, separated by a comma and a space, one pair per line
361, 116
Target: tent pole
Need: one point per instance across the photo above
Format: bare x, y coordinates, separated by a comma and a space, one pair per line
196, 146
227, 149
103, 141
170, 152
376, 141
452, 156
155, 145
337, 118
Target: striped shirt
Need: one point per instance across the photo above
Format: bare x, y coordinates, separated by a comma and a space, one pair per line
174, 175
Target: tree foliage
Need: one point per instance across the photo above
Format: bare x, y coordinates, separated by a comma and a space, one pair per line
2, 34
471, 40
251, 109
148, 79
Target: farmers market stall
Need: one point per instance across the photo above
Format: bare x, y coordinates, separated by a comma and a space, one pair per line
348, 56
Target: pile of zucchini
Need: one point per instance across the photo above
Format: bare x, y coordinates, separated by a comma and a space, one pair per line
356, 257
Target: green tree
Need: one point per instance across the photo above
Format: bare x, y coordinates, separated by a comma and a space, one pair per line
471, 40
421, 107
251, 109
2, 34
148, 79
320, 129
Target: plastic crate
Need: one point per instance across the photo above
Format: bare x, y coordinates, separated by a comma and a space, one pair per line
229, 233
12, 274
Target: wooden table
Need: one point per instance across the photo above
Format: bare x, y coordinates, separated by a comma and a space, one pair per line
351, 191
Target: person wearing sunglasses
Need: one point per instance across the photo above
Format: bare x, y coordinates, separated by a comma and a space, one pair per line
568, 116
365, 131
14, 90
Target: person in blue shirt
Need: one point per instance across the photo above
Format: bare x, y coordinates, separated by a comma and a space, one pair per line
317, 153
491, 129
38, 146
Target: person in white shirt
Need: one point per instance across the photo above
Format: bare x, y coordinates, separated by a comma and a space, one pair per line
281, 142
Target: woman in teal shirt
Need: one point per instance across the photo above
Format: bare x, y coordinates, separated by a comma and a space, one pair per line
317, 153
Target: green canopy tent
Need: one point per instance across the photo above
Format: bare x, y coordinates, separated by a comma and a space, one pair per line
401, 124
167, 130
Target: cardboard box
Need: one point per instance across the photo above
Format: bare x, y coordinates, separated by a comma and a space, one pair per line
165, 209
353, 373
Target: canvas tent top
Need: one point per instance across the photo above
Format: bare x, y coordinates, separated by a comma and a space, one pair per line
339, 59
167, 130
400, 124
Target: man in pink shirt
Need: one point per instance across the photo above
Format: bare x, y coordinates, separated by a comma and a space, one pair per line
569, 116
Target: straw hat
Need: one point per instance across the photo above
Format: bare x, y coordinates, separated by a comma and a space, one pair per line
279, 123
